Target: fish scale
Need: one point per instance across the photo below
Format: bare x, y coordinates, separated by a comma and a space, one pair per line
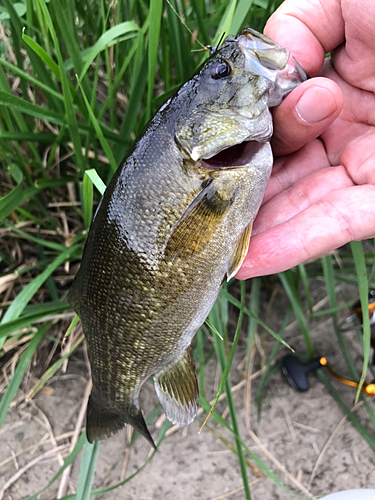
174, 221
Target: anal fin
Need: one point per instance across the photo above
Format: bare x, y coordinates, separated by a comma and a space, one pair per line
240, 252
177, 390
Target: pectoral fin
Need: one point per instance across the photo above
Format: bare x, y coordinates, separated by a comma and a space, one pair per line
177, 390
240, 252
197, 224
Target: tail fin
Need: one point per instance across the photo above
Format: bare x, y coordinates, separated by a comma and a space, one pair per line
103, 420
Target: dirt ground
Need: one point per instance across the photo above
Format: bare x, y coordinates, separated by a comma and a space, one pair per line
303, 438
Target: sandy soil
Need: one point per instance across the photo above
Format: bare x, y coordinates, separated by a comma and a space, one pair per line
304, 438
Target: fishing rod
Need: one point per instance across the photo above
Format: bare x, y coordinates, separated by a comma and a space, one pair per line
296, 371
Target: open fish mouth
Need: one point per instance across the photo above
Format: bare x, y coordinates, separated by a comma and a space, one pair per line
235, 156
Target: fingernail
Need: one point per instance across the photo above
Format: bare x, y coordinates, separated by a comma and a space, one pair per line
315, 105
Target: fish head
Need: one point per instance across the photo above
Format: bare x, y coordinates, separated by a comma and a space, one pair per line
229, 97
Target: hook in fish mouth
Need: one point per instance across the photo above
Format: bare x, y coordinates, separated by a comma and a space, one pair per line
235, 156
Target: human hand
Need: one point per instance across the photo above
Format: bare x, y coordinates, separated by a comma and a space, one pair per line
321, 194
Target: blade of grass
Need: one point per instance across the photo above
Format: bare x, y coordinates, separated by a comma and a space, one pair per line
48, 374
254, 308
136, 94
65, 30
353, 419
360, 267
69, 460
87, 470
68, 100
329, 279
213, 329
27, 137
228, 363
101, 491
240, 14
103, 141
260, 464
18, 104
19, 372
40, 52
33, 314
72, 325
21, 123
30, 78
286, 279
10, 202
236, 303
266, 377
305, 284
200, 356
48, 244
225, 366
88, 192
96, 180
372, 273
175, 42
226, 22
108, 38
156, 8
18, 305
16, 30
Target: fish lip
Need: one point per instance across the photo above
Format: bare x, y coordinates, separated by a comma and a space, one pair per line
236, 156
250, 41
255, 40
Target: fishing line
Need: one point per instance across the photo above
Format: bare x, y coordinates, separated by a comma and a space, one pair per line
204, 47
207, 47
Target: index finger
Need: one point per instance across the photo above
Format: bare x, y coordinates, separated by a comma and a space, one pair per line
308, 29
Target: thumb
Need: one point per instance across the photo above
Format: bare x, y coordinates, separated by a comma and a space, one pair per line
305, 114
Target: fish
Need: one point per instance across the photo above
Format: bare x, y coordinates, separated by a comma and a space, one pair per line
173, 224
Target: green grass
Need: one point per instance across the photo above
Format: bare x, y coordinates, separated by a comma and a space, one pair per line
91, 74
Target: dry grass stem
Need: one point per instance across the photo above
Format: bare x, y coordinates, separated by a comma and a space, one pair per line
66, 474
48, 454
247, 392
129, 435
91, 154
329, 441
237, 490
279, 465
34, 447
46, 423
7, 280
232, 448
10, 54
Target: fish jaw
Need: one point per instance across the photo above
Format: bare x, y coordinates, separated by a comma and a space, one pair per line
266, 58
259, 129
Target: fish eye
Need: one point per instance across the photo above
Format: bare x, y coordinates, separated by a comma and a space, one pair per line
220, 69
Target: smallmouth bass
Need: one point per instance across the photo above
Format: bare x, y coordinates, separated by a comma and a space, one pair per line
173, 223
